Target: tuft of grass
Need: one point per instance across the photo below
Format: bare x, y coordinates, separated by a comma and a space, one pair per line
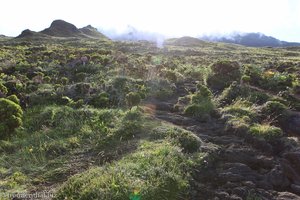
265, 131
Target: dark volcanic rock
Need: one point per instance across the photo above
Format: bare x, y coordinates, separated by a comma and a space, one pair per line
277, 178
294, 158
289, 171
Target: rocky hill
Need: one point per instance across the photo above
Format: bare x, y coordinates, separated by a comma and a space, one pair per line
63, 29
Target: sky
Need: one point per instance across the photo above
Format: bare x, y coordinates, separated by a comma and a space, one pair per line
278, 18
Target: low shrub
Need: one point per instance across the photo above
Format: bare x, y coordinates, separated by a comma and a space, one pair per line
273, 109
223, 73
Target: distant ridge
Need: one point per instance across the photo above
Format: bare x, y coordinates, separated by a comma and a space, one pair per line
186, 41
250, 40
63, 29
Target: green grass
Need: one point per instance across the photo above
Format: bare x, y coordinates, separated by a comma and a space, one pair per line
52, 134
157, 171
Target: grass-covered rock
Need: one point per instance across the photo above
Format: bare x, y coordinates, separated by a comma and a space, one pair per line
155, 171
186, 139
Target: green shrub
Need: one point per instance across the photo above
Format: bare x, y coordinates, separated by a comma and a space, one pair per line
265, 131
161, 88
231, 93
133, 99
185, 139
10, 117
130, 126
14, 99
255, 73
200, 111
239, 125
201, 105
204, 91
273, 109
223, 73
257, 97
246, 78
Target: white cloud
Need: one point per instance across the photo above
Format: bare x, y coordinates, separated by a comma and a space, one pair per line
183, 17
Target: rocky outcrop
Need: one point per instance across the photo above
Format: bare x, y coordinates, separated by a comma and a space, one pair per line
61, 28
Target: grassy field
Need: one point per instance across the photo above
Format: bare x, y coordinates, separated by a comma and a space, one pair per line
117, 125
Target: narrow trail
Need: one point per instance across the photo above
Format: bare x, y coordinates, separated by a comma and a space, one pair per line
235, 168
